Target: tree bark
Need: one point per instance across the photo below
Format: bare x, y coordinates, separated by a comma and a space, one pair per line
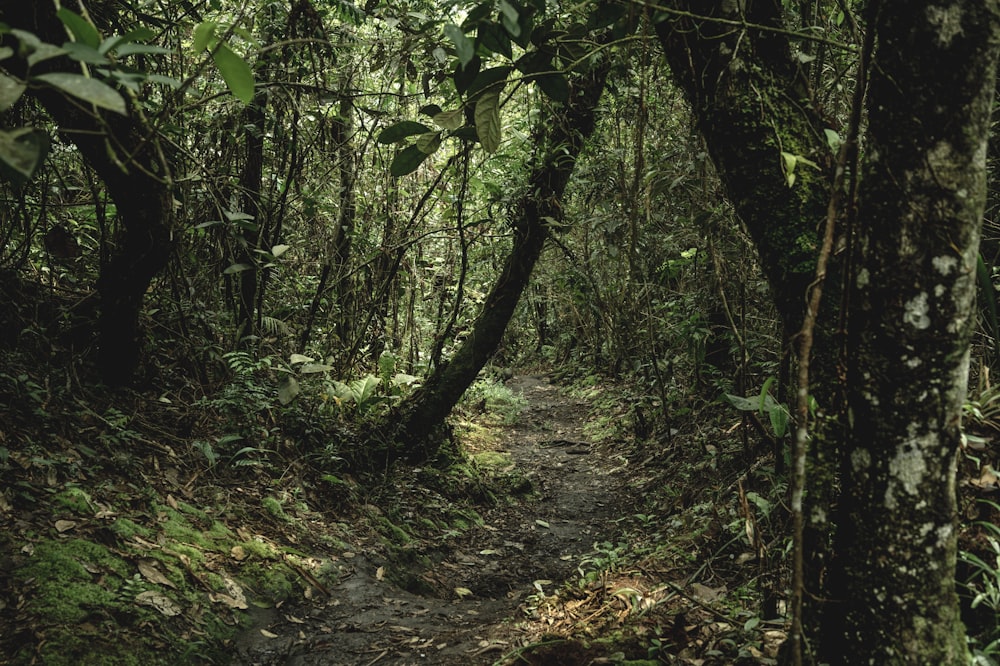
125, 153
880, 544
751, 104
561, 141
911, 322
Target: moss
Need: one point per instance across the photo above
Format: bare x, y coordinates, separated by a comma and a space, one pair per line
261, 549
273, 506
75, 500
126, 529
396, 534
273, 582
175, 525
65, 590
490, 460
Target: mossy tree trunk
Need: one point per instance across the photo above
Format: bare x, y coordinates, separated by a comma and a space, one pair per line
126, 154
558, 145
881, 478
751, 103
911, 320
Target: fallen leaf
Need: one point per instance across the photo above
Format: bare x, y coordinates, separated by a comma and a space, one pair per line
65, 525
149, 571
489, 551
235, 597
294, 620
463, 592
380, 573
238, 553
164, 604
267, 634
542, 523
172, 502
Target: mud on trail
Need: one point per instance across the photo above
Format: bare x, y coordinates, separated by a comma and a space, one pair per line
464, 608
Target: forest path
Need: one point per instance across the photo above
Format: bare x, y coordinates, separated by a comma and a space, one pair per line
522, 547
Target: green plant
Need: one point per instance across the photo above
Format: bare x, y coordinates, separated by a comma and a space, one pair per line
497, 399
764, 404
984, 410
984, 586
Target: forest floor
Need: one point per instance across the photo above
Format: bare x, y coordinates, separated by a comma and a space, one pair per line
550, 536
468, 612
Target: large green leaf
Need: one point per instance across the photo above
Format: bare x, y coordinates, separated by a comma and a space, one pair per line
85, 53
509, 17
401, 130
11, 90
496, 39
22, 152
491, 79
364, 390
407, 161
554, 85
450, 120
463, 45
83, 31
204, 33
488, 121
429, 143
236, 73
87, 89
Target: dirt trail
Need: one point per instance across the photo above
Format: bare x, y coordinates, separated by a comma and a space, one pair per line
366, 620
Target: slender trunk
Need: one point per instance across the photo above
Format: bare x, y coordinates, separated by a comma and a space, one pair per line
564, 136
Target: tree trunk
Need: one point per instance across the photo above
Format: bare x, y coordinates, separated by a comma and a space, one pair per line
880, 546
562, 139
911, 322
125, 153
751, 104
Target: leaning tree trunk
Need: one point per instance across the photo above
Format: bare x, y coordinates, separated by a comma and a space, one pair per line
562, 138
126, 154
911, 322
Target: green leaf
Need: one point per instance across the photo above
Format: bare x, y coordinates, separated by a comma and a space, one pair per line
488, 121
11, 90
87, 89
463, 45
492, 79
429, 143
279, 250
236, 73
288, 389
509, 17
464, 76
22, 152
300, 358
450, 120
6, 52
236, 268
741, 403
401, 130
555, 86
137, 35
494, 38
364, 388
779, 420
204, 34
84, 53
83, 31
312, 368
132, 49
407, 161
